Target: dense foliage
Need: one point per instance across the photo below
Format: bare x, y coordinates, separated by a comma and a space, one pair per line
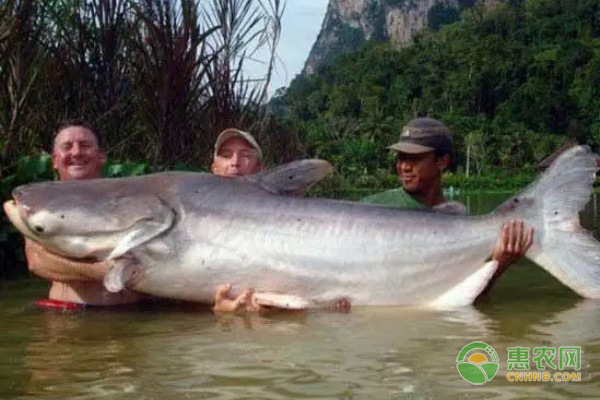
159, 79
513, 82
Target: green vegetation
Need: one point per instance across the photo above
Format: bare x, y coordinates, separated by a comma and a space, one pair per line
442, 14
395, 3
514, 83
160, 79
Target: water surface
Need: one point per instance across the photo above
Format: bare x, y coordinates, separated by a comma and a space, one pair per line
167, 352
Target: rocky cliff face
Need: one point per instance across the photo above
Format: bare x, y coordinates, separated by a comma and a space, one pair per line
348, 23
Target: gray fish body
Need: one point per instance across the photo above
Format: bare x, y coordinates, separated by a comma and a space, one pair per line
317, 249
192, 232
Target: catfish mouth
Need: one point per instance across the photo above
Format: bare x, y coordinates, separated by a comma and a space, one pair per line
14, 212
82, 229
18, 217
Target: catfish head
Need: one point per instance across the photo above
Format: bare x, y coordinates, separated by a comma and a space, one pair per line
98, 219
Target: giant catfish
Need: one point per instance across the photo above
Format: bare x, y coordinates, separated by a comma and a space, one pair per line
192, 231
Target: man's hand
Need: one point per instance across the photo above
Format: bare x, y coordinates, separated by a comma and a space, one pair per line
224, 302
245, 302
248, 302
512, 244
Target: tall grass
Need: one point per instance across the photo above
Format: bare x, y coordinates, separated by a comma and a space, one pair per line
158, 78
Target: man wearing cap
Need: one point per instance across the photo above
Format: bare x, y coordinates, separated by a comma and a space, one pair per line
76, 155
423, 154
236, 154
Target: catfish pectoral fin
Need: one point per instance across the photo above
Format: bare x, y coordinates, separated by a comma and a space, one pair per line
144, 230
124, 274
466, 291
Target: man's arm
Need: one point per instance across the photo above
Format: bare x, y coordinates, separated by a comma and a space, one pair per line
53, 267
511, 246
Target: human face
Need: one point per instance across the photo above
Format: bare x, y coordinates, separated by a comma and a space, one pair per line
76, 154
420, 173
236, 157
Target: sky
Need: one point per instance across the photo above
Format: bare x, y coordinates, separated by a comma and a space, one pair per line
300, 26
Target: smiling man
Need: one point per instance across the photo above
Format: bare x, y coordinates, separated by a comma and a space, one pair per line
423, 154
76, 154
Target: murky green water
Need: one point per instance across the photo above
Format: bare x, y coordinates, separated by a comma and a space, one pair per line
371, 353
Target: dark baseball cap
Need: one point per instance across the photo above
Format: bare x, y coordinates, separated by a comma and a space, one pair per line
422, 135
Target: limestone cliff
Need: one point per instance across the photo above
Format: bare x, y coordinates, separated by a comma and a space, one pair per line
348, 23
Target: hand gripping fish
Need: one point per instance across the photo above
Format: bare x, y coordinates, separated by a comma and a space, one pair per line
193, 231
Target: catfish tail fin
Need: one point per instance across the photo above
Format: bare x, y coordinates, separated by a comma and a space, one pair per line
561, 246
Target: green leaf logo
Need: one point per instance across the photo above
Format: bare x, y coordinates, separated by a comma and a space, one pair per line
477, 363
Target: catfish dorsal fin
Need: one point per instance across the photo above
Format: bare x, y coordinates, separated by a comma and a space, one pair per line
293, 178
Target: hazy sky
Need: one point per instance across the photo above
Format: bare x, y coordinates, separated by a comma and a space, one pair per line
299, 29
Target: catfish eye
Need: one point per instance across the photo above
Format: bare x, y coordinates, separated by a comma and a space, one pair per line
38, 229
